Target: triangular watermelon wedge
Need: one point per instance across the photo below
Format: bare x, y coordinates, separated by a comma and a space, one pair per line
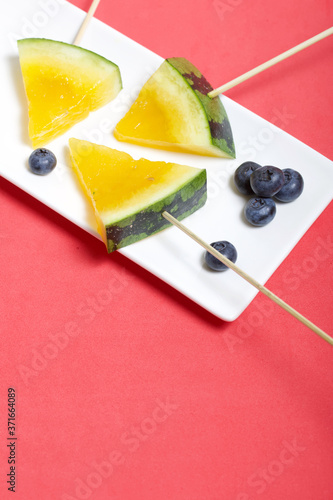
174, 112
63, 84
129, 195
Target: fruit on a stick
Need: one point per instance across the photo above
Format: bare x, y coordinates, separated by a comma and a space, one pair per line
63, 84
129, 195
173, 112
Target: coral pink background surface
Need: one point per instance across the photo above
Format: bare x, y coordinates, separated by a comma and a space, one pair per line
126, 389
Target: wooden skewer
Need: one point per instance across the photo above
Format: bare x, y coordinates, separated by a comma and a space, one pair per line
86, 21
271, 62
248, 278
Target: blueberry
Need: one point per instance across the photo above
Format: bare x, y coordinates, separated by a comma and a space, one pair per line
292, 187
242, 176
225, 248
42, 161
267, 181
260, 211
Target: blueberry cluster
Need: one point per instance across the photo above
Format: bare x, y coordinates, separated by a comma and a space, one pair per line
264, 183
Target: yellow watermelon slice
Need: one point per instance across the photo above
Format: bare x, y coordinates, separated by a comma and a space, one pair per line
174, 112
63, 84
129, 195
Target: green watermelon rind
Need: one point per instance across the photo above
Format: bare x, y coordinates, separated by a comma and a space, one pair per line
186, 200
29, 43
213, 108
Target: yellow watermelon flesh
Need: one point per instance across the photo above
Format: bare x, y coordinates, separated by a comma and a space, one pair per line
63, 84
174, 112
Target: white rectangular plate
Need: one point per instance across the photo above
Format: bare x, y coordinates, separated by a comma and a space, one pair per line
170, 255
